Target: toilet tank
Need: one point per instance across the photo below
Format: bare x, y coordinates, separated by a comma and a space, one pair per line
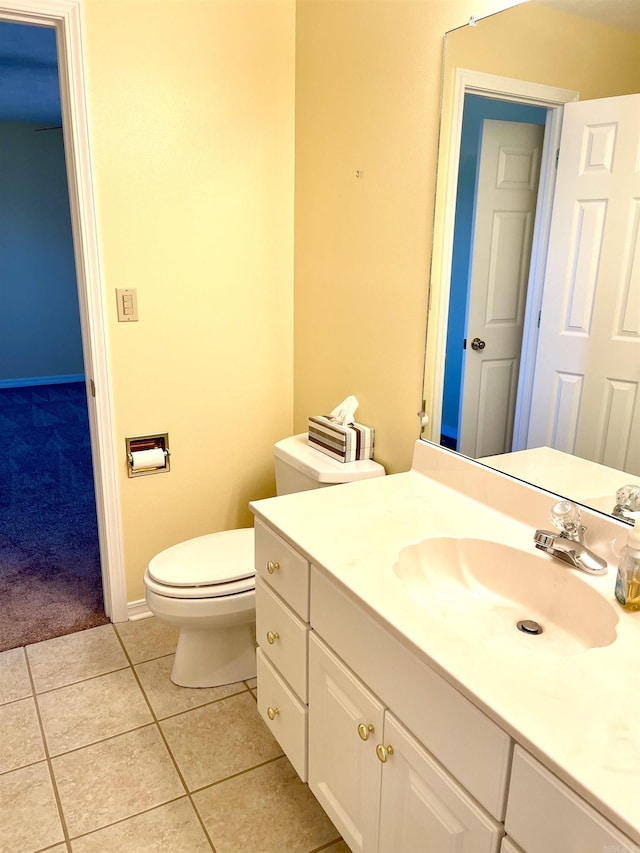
300, 467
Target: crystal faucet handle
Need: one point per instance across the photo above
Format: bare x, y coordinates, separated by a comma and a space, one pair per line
629, 497
566, 517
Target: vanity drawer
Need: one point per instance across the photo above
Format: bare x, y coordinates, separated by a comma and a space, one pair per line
283, 568
283, 638
471, 746
289, 723
545, 816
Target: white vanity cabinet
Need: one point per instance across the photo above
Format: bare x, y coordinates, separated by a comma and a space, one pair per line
345, 725
337, 688
282, 630
508, 846
472, 748
381, 788
545, 816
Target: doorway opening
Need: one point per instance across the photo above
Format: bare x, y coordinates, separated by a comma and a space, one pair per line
470, 264
50, 574
64, 18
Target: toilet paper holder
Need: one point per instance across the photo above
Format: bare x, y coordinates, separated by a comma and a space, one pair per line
143, 457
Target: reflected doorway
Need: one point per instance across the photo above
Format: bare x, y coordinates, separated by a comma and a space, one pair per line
491, 390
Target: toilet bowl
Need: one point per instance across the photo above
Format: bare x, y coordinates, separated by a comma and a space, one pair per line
206, 586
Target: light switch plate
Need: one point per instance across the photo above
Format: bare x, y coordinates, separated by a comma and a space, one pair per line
127, 304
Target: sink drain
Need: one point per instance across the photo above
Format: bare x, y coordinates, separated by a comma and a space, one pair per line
528, 626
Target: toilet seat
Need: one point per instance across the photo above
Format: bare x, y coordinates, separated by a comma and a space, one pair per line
210, 566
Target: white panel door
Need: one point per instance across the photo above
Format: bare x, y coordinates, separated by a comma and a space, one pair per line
345, 724
503, 230
586, 397
423, 809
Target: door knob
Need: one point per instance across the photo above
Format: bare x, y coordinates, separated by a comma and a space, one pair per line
477, 344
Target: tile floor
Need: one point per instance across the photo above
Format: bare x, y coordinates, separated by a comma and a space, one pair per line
99, 751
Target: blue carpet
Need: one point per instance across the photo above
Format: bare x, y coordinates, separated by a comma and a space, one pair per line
50, 582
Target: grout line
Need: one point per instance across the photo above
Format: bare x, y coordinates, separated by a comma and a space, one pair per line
23, 766
15, 701
239, 773
155, 721
77, 680
203, 705
172, 757
202, 823
329, 844
129, 817
166, 744
104, 739
220, 781
81, 681
158, 721
54, 784
126, 651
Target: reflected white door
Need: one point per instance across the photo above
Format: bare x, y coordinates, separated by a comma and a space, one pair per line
503, 229
586, 387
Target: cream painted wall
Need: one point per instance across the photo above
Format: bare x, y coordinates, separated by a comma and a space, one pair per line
368, 78
191, 110
535, 43
192, 132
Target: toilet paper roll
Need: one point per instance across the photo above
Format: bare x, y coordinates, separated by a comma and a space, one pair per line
144, 459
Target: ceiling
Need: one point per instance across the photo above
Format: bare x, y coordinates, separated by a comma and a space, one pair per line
29, 89
624, 14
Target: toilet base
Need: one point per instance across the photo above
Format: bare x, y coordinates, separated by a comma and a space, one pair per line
211, 658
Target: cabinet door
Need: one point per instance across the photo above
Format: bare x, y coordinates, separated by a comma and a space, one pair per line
422, 808
545, 816
344, 773
509, 846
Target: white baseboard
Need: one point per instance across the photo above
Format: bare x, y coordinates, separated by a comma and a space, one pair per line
41, 380
138, 610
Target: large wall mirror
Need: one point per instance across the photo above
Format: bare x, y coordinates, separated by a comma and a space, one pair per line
533, 340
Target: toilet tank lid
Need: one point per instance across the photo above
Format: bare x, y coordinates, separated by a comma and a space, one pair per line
297, 452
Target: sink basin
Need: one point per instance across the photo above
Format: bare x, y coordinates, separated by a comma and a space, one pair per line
489, 587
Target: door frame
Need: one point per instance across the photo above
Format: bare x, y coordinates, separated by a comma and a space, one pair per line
65, 17
520, 91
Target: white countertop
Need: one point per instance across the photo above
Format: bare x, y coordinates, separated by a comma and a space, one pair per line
577, 713
587, 482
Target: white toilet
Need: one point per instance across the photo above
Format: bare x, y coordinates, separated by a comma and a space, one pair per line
206, 586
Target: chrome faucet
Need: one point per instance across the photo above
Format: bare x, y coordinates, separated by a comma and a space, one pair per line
568, 544
627, 503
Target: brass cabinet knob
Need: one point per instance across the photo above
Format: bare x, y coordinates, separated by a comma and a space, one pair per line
365, 730
272, 713
272, 636
272, 566
383, 752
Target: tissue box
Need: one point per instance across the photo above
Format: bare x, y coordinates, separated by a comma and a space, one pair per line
344, 443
